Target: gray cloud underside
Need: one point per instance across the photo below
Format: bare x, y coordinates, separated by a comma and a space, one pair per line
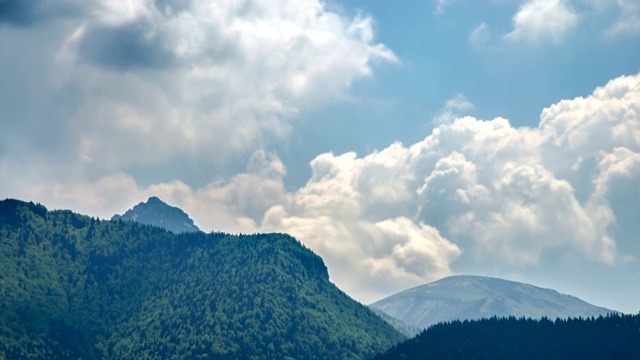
180, 75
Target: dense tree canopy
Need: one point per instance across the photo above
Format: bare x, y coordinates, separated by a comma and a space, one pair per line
72, 286
613, 337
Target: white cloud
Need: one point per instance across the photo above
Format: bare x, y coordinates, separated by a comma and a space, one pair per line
481, 194
196, 79
539, 20
452, 109
476, 195
479, 36
629, 19
586, 128
441, 5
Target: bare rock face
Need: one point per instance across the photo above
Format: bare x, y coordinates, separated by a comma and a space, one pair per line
158, 213
476, 297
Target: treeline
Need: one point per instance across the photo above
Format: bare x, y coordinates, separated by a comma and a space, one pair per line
612, 337
76, 287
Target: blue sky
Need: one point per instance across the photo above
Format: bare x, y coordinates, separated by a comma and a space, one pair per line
402, 143
439, 61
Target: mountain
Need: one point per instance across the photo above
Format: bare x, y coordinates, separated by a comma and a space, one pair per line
406, 329
75, 287
158, 213
611, 337
475, 297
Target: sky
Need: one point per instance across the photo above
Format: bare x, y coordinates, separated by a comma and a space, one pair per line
401, 141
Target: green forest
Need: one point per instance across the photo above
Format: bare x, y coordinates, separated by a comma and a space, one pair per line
612, 337
75, 287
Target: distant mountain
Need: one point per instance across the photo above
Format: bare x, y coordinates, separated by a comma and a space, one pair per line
158, 213
76, 287
406, 329
476, 297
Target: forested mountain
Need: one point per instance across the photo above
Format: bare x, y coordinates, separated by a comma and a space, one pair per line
476, 297
75, 287
612, 337
158, 213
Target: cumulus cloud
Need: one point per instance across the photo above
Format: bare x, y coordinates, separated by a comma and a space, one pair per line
193, 78
539, 20
474, 196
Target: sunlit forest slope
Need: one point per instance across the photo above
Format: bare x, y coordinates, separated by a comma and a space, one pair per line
75, 287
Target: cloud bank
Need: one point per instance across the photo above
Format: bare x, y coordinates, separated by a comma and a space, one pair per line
199, 80
474, 195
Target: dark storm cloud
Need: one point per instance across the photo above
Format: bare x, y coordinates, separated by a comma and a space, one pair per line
19, 12
127, 47
26, 13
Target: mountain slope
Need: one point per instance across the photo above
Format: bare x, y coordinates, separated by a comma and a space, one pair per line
77, 287
406, 329
475, 297
158, 213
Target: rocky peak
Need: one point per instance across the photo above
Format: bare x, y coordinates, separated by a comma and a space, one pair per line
158, 213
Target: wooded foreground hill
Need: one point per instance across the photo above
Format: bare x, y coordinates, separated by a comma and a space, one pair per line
75, 287
614, 336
